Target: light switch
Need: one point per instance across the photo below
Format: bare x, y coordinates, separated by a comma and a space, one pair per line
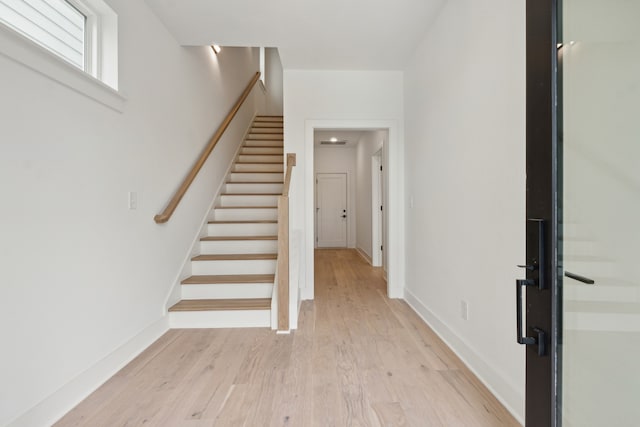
133, 200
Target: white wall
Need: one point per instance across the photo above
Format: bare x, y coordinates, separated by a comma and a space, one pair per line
465, 169
369, 143
81, 274
342, 100
273, 81
340, 160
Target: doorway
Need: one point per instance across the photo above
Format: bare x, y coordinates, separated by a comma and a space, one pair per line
331, 210
393, 226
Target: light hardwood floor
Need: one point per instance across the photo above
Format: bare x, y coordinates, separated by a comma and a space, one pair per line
357, 359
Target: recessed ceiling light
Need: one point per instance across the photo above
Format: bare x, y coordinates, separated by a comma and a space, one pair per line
334, 139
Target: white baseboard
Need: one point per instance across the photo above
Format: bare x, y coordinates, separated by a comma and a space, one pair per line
364, 255
502, 389
68, 396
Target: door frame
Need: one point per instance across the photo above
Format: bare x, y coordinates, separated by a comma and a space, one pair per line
544, 192
394, 218
377, 226
346, 204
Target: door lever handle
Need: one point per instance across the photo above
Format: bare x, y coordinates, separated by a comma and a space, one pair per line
579, 278
528, 267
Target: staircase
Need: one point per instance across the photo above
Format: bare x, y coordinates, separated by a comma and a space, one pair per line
233, 276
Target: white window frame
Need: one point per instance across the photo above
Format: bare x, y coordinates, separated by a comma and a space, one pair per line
263, 68
91, 42
99, 79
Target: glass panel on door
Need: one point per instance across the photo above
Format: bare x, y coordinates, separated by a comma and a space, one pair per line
600, 213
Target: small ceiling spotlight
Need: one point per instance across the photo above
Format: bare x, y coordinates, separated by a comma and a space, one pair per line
216, 48
334, 139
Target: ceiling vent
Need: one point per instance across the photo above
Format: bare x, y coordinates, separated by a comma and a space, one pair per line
333, 142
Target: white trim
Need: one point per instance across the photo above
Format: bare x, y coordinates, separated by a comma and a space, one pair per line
364, 255
395, 211
376, 202
22, 50
506, 392
52, 408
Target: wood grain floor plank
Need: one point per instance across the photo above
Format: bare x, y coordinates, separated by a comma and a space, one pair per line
356, 359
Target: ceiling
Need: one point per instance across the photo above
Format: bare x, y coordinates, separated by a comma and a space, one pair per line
310, 34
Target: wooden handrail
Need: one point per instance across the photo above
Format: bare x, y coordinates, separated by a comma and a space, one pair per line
283, 248
180, 192
291, 162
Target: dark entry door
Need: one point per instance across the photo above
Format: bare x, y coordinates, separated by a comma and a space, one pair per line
536, 291
579, 300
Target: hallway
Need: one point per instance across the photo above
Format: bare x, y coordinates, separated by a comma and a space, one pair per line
357, 359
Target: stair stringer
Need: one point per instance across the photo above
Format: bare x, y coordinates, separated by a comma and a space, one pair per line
175, 292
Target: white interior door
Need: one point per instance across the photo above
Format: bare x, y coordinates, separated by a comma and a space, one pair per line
331, 210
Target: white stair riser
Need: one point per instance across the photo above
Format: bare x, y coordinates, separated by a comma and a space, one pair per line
268, 124
256, 177
242, 229
263, 137
232, 214
259, 129
261, 150
263, 143
254, 188
220, 319
249, 200
227, 291
262, 266
239, 247
261, 158
257, 167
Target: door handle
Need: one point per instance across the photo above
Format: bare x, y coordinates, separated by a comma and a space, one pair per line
537, 264
541, 336
579, 278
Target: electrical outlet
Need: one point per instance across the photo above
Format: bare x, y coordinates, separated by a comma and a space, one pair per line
464, 310
133, 200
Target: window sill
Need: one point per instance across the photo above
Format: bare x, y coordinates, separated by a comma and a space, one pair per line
23, 51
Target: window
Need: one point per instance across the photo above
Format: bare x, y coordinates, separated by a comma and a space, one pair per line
74, 42
54, 24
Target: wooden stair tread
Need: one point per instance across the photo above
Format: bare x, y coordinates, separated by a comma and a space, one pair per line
264, 221
254, 162
279, 155
212, 279
246, 207
262, 146
234, 257
254, 182
251, 194
223, 304
257, 172
222, 238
